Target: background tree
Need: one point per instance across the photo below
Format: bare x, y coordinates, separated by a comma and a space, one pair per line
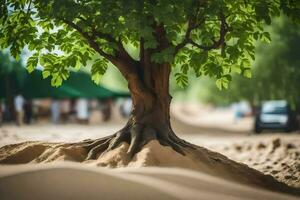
210, 38
276, 71
10, 81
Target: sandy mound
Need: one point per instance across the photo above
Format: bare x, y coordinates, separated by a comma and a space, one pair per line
277, 157
75, 181
40, 152
74, 184
152, 154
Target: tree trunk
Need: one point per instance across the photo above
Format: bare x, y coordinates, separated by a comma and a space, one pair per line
148, 83
150, 117
151, 103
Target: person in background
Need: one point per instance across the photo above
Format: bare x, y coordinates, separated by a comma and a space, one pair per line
55, 111
82, 111
19, 107
35, 110
1, 112
106, 109
28, 111
126, 107
65, 110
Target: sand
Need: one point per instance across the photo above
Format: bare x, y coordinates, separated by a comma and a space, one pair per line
152, 154
75, 181
278, 156
274, 156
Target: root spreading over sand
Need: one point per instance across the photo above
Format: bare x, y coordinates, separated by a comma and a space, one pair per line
152, 154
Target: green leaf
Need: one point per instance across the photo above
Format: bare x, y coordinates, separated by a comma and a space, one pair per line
181, 79
185, 68
199, 58
46, 74
98, 69
78, 65
56, 80
32, 62
164, 56
266, 37
236, 69
222, 83
247, 73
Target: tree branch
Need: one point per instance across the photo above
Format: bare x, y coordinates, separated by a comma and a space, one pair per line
108, 38
126, 65
223, 31
191, 26
142, 50
122, 60
90, 40
101, 35
216, 44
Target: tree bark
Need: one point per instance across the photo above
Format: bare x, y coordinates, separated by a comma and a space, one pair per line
150, 117
151, 106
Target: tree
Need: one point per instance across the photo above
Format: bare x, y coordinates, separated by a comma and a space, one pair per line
10, 81
209, 37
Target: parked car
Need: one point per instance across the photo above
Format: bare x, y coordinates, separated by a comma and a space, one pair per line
275, 115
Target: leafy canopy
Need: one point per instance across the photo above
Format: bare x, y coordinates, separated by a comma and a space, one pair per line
276, 72
210, 37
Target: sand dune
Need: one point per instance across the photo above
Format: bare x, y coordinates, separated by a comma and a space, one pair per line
75, 181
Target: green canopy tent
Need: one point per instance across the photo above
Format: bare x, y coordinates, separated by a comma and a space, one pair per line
33, 86
82, 82
78, 85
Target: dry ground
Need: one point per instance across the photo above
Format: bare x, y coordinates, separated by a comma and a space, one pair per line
277, 154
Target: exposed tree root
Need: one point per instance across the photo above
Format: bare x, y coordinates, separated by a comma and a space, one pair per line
136, 136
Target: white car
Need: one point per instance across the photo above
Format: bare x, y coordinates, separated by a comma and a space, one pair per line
275, 115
